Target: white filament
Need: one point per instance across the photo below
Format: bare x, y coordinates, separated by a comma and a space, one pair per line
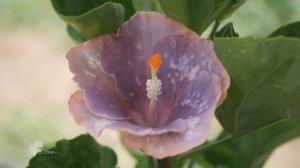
153, 87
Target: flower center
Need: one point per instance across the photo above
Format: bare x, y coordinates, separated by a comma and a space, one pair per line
153, 87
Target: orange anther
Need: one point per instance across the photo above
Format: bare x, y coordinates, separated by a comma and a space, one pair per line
155, 61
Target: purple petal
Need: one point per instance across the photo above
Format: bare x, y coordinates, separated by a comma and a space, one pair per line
100, 93
126, 55
95, 124
197, 98
196, 105
185, 58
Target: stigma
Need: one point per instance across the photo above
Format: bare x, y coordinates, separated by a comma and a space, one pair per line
154, 85
155, 62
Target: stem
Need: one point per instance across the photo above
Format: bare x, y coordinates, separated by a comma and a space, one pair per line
214, 29
164, 163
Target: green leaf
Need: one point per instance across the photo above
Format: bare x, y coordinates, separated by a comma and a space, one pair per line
250, 150
199, 14
227, 10
75, 35
254, 149
265, 83
81, 152
222, 156
227, 31
46, 159
79, 7
96, 22
199, 161
290, 30
90, 17
146, 5
143, 161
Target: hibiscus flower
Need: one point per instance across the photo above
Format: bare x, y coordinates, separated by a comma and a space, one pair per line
154, 80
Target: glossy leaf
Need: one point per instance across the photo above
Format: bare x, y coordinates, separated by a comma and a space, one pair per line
265, 83
46, 159
222, 156
146, 5
251, 150
254, 149
290, 30
143, 161
75, 35
227, 31
91, 18
199, 14
80, 152
96, 22
199, 161
227, 10
79, 7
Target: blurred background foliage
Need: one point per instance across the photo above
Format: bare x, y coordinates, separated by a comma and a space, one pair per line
258, 18
35, 81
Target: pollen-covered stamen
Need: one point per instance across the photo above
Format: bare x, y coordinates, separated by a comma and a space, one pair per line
153, 88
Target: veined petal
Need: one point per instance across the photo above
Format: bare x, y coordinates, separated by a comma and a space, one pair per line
125, 56
94, 124
100, 94
185, 58
198, 98
196, 111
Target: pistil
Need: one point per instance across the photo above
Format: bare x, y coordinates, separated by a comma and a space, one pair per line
154, 86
